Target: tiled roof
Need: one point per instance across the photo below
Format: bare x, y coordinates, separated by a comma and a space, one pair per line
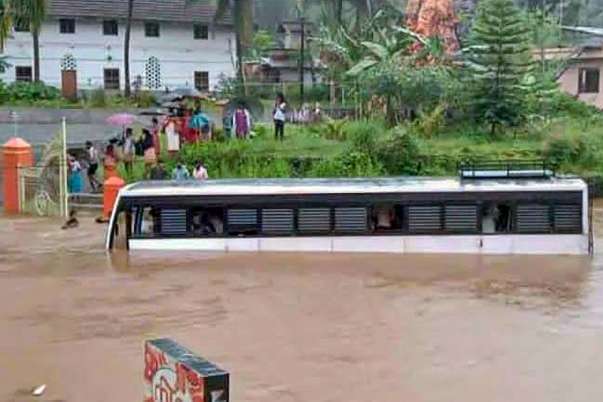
163, 10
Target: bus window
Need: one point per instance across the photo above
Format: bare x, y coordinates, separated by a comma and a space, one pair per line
496, 218
460, 218
122, 230
534, 218
351, 220
146, 222
314, 220
425, 218
207, 221
243, 222
386, 218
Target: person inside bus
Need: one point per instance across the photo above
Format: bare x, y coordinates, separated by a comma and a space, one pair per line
503, 220
202, 224
385, 217
489, 219
147, 224
216, 223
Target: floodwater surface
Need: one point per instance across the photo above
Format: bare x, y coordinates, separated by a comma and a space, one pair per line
298, 327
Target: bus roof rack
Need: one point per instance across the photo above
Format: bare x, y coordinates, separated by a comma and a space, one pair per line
506, 169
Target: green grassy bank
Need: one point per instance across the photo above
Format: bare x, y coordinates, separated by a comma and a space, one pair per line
369, 148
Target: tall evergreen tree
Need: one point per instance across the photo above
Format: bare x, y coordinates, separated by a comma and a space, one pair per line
497, 60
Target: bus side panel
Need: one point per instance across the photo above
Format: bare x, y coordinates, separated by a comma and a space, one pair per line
384, 244
111, 227
550, 244
442, 244
179, 244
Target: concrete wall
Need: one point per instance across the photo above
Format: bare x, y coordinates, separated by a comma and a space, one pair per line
179, 54
173, 373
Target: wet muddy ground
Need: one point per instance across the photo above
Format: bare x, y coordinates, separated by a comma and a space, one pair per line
298, 327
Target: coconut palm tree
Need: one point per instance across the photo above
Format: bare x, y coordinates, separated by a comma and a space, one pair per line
6, 22
127, 88
30, 13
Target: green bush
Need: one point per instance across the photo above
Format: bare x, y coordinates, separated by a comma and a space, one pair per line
334, 130
98, 98
145, 99
30, 92
363, 135
570, 106
568, 149
431, 122
400, 153
348, 164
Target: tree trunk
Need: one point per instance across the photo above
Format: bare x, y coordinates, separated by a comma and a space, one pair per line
332, 93
240, 68
339, 12
127, 89
362, 13
245, 23
36, 54
243, 19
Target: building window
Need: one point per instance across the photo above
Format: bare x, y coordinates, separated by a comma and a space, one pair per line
111, 78
67, 25
110, 28
202, 80
200, 31
588, 80
21, 26
151, 29
23, 73
68, 63
153, 73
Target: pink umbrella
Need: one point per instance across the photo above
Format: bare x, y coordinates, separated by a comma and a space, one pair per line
121, 119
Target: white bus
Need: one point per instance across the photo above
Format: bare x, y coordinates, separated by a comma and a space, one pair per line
521, 215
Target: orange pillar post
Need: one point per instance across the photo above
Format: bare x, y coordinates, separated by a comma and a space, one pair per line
110, 191
16, 153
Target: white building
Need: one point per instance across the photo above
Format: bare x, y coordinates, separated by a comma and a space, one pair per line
173, 44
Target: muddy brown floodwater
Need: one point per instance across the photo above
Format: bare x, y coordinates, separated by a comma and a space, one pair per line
298, 327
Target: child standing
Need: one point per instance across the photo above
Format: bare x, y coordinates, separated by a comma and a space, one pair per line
241, 121
279, 115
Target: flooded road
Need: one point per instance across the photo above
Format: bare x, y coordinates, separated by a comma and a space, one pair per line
305, 327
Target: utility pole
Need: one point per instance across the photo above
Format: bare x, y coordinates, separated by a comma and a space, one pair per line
302, 61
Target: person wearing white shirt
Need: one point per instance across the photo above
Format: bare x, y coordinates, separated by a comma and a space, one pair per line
200, 172
279, 116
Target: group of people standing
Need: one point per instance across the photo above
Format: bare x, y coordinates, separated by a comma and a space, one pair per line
148, 146
190, 127
239, 124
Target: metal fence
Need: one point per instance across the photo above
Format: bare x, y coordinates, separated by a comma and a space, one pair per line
43, 187
41, 191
